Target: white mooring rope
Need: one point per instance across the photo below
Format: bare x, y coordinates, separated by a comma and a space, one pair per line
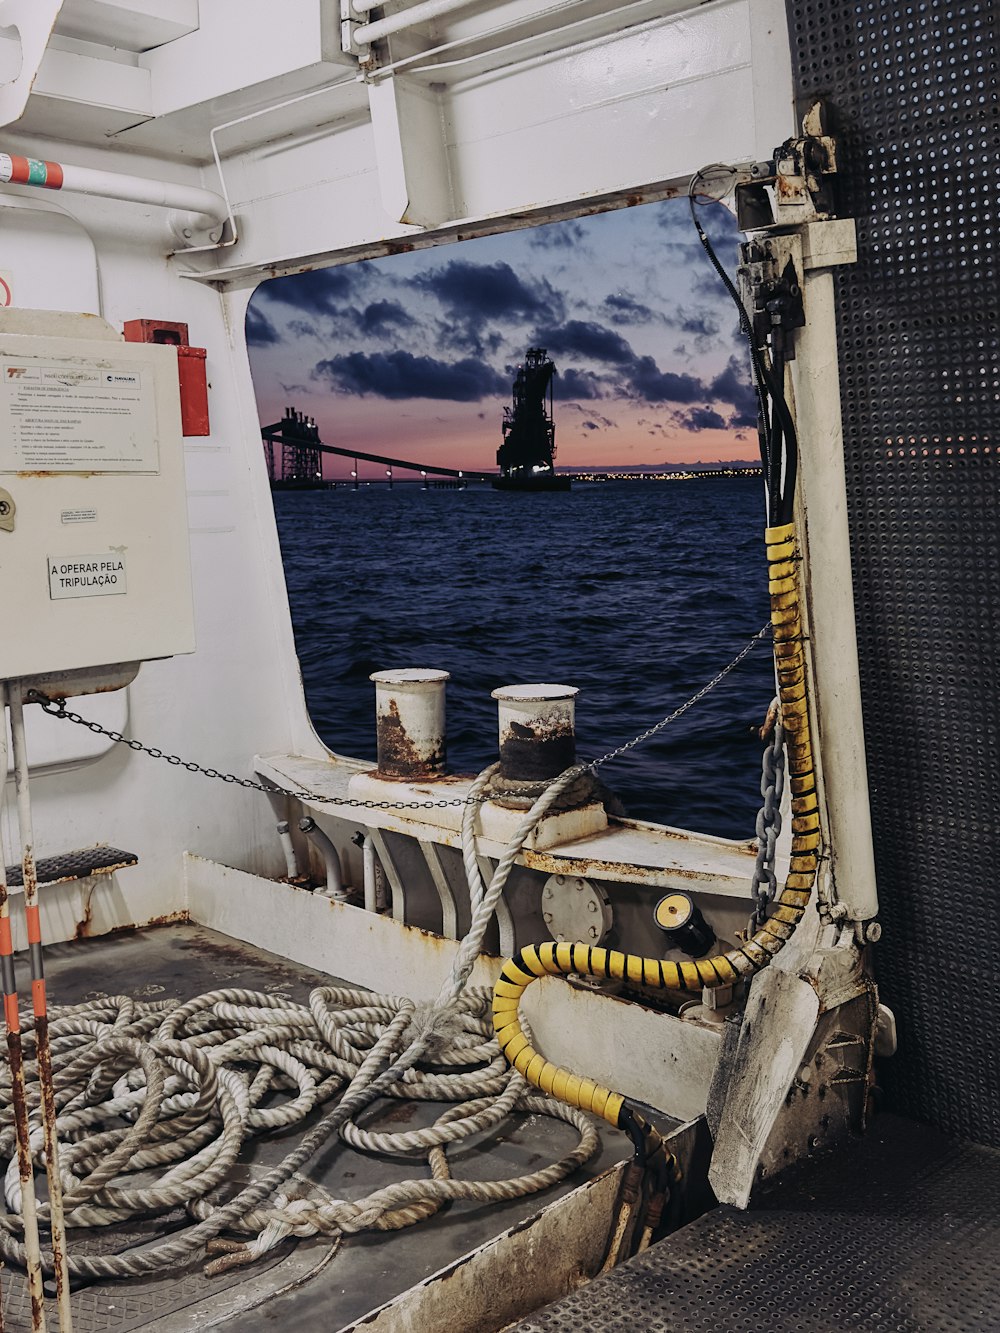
156, 1100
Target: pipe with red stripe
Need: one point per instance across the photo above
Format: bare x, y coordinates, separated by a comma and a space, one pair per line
57, 1221
19, 1100
206, 208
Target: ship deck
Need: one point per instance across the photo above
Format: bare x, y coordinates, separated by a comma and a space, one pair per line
895, 1233
312, 1283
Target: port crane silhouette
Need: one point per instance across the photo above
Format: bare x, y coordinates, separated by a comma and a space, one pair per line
294, 454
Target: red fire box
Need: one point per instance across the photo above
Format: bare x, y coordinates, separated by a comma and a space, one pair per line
192, 378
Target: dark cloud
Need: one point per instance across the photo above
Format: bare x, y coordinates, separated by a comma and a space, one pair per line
621, 308
702, 325
590, 425
468, 336
557, 236
400, 374
303, 328
488, 291
701, 418
646, 380
581, 338
324, 292
573, 383
383, 316
260, 332
733, 387
594, 417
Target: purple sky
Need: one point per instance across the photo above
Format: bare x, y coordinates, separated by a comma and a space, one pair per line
414, 355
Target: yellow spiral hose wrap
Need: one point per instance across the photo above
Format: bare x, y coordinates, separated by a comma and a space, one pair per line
539, 960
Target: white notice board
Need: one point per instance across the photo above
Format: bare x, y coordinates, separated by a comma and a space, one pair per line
77, 415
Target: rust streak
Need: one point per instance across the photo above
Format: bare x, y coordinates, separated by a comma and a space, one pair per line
397, 754
43, 1052
15, 1056
86, 921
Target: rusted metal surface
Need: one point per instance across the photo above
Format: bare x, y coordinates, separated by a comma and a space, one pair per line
536, 731
530, 1264
29, 875
69, 866
410, 721
15, 1056
398, 755
57, 1223
82, 928
536, 753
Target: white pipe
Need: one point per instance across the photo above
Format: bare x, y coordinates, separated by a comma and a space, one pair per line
407, 18
288, 847
331, 857
407, 62
371, 886
198, 209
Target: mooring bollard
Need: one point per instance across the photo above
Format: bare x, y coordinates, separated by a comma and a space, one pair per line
410, 722
537, 736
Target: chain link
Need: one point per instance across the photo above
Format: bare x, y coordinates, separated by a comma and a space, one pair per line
764, 885
57, 708
762, 633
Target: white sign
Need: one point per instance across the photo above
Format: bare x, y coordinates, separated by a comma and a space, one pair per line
86, 575
78, 515
72, 415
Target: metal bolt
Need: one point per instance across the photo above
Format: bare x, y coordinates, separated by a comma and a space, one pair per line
593, 932
805, 1074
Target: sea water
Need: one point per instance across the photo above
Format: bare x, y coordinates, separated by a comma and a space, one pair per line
637, 592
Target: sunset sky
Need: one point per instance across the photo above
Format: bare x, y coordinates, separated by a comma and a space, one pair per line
414, 355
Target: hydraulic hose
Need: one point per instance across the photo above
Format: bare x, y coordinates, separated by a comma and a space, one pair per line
723, 969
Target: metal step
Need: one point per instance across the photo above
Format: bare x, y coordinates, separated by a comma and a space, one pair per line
102, 860
898, 1231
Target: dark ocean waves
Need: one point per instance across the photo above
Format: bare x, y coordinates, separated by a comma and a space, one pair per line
637, 593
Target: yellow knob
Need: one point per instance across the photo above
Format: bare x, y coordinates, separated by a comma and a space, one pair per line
673, 910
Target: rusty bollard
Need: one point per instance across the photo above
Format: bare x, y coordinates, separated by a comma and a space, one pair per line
410, 722
537, 736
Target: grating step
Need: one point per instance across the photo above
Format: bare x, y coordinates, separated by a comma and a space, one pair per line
894, 1233
102, 860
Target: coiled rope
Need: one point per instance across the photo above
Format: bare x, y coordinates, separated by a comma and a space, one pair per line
156, 1100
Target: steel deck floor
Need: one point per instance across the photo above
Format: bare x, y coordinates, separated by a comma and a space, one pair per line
898, 1231
182, 961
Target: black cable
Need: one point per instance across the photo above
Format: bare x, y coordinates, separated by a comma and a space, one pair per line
774, 489
776, 392
777, 435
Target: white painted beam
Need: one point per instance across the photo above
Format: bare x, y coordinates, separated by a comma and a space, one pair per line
130, 25
410, 153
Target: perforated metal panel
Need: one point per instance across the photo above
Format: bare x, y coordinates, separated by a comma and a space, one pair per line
898, 1234
914, 92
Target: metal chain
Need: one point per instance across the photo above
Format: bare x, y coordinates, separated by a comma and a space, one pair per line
57, 708
678, 712
764, 884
